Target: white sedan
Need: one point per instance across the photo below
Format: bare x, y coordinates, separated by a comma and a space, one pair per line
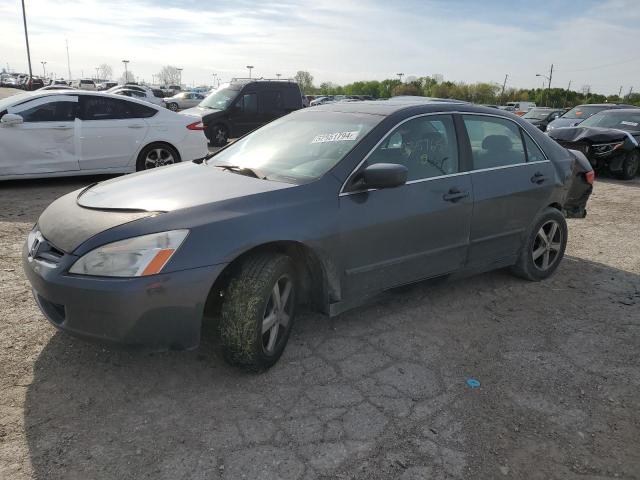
135, 91
63, 133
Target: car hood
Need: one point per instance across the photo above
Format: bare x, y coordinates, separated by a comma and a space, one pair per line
589, 135
199, 111
565, 122
174, 187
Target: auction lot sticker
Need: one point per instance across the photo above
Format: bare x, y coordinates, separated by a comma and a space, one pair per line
335, 137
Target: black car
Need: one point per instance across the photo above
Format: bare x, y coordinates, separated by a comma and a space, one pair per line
609, 139
542, 116
325, 206
580, 113
244, 105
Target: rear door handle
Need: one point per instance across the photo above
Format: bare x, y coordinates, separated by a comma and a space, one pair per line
61, 127
454, 195
135, 126
539, 178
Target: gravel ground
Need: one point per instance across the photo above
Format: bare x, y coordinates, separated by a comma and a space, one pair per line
377, 393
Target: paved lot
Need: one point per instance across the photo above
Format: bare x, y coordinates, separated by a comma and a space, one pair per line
379, 392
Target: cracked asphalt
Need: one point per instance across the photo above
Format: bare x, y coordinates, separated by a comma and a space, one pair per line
377, 393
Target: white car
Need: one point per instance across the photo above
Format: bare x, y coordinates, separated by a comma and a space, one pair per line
84, 84
63, 133
183, 100
136, 91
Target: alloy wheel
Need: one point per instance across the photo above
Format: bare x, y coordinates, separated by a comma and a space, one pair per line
547, 245
277, 314
158, 157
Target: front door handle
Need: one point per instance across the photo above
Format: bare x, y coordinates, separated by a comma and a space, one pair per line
538, 178
454, 195
61, 127
135, 126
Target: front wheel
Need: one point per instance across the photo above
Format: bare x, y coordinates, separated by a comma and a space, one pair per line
218, 135
544, 247
630, 166
257, 313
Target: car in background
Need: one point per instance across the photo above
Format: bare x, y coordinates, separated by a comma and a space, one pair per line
520, 108
243, 105
507, 108
135, 91
183, 100
610, 139
578, 114
63, 133
56, 87
542, 116
84, 84
285, 217
106, 85
321, 100
10, 81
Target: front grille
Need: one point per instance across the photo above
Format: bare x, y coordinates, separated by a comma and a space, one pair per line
580, 146
40, 249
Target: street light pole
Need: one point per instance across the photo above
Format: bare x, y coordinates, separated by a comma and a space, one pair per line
544, 76
97, 70
278, 75
44, 71
26, 37
179, 77
126, 71
400, 76
250, 67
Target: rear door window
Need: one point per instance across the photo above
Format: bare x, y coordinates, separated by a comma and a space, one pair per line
105, 108
495, 142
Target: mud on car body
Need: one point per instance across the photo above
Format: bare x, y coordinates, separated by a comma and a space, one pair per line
609, 139
325, 206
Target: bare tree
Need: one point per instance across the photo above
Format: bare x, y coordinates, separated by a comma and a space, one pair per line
105, 72
129, 78
169, 75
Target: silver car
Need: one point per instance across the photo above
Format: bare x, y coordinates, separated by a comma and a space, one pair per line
183, 100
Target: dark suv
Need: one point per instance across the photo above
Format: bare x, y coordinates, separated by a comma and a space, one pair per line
244, 105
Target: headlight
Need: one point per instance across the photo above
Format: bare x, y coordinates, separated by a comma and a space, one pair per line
606, 148
133, 257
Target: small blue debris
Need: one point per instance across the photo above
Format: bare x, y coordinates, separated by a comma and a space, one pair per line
473, 383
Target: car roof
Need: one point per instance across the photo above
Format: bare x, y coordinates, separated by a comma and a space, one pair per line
610, 105
44, 93
389, 107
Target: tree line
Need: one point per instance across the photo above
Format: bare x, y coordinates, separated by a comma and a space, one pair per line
480, 92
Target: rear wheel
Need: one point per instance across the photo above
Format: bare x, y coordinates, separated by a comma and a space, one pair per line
257, 313
544, 247
630, 166
218, 135
172, 106
156, 155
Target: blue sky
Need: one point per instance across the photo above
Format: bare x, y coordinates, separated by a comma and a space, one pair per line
340, 41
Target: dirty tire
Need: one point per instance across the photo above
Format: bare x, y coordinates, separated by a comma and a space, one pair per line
218, 135
630, 166
531, 264
246, 304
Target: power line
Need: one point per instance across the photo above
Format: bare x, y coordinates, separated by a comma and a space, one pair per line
595, 67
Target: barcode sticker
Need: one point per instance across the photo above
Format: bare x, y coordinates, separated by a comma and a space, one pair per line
335, 137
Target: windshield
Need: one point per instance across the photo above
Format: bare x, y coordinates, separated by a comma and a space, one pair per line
537, 113
583, 111
298, 147
629, 121
220, 99
14, 99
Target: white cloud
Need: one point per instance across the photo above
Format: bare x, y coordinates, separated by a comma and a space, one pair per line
335, 40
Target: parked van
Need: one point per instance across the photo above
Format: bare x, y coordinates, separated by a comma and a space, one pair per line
520, 108
238, 107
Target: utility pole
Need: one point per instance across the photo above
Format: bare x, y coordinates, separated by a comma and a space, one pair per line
126, 73
26, 37
549, 86
68, 63
400, 76
504, 85
566, 97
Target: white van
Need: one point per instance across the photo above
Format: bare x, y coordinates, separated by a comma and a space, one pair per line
84, 84
520, 108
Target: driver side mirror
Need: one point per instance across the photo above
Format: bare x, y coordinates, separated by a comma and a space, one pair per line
383, 175
11, 119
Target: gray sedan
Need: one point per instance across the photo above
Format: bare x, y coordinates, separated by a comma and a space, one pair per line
183, 100
324, 207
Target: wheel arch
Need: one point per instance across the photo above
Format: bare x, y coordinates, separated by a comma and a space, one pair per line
159, 143
317, 276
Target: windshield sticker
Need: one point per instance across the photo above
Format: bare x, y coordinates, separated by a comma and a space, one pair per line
335, 137
631, 124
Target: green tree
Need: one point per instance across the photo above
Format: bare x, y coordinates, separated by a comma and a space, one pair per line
305, 80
